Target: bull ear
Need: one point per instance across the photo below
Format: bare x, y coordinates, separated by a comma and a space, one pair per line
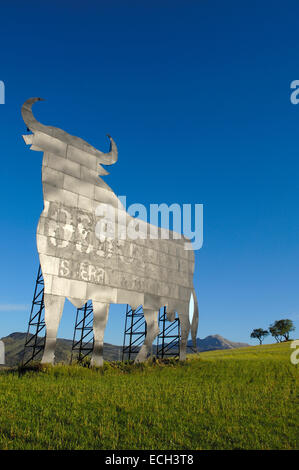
102, 171
29, 140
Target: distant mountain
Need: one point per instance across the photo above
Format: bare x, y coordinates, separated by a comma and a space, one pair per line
14, 346
213, 342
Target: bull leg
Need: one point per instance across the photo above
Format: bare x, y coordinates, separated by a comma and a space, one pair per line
185, 329
100, 317
53, 311
152, 330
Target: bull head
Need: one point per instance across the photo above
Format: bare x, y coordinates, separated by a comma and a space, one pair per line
44, 137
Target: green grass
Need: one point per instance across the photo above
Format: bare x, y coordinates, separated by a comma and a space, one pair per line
233, 399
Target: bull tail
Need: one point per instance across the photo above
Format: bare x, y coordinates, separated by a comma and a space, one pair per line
194, 324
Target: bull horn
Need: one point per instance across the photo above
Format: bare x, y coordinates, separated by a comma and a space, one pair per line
32, 124
111, 157
28, 117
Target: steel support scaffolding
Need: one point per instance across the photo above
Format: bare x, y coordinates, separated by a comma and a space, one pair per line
168, 341
35, 337
83, 340
135, 331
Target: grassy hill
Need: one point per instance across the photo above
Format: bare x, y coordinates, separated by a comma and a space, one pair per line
234, 399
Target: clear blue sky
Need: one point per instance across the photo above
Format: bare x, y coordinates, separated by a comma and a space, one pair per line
197, 97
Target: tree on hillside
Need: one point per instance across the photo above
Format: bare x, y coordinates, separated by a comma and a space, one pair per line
275, 332
282, 328
259, 334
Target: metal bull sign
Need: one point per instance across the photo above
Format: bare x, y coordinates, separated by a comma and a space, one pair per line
85, 255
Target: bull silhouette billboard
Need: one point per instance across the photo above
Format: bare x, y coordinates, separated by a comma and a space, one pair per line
81, 262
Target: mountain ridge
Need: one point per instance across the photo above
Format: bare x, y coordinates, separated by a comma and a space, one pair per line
14, 345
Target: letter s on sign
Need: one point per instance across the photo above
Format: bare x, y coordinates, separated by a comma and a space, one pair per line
295, 94
294, 358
